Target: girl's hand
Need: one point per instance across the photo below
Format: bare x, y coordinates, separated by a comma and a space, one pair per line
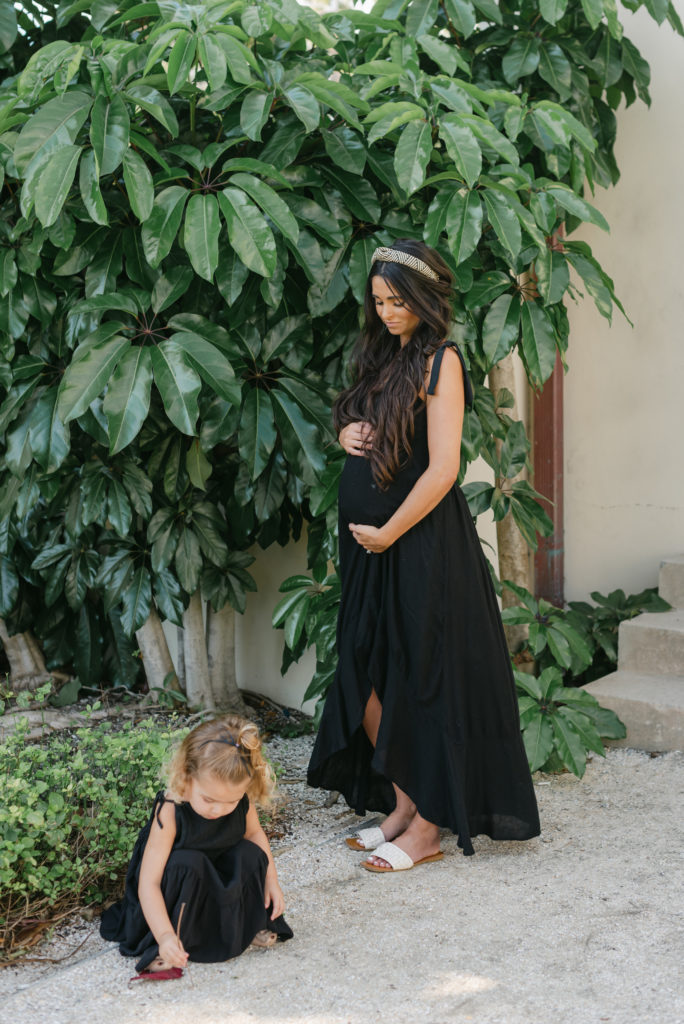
171, 950
273, 894
373, 539
355, 438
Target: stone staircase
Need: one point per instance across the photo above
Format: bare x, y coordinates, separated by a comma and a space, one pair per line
647, 691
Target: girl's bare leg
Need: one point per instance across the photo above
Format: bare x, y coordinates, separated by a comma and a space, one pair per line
404, 811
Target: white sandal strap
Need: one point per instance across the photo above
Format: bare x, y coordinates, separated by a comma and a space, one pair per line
394, 856
370, 837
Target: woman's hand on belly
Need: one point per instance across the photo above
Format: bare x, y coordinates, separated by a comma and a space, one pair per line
356, 437
373, 539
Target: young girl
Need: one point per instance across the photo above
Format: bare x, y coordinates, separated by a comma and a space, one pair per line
203, 849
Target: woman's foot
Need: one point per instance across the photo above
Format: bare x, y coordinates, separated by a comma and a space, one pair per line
398, 821
264, 939
419, 840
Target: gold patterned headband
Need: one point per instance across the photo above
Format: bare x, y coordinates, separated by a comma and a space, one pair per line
388, 255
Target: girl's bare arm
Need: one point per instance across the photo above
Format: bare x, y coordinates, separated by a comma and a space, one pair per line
272, 891
155, 856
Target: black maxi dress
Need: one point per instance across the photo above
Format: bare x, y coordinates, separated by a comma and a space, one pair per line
219, 876
420, 625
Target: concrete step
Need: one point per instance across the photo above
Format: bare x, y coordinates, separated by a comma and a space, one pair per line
652, 708
653, 643
671, 580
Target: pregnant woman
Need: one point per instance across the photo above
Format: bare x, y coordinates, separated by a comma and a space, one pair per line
421, 721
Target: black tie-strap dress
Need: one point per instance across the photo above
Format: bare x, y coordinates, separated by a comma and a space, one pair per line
219, 876
420, 625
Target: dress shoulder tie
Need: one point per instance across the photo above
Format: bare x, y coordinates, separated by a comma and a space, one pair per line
436, 365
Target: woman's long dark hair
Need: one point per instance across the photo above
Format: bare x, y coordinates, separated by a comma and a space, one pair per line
388, 379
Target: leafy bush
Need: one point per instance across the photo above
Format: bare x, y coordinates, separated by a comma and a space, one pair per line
71, 811
560, 724
308, 616
599, 623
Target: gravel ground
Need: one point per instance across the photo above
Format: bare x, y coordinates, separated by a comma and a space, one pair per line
583, 925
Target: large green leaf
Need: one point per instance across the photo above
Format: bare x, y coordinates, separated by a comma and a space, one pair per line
249, 234
555, 68
577, 206
89, 183
188, 561
127, 401
464, 224
257, 433
119, 511
136, 600
298, 435
504, 221
412, 155
208, 526
154, 103
170, 287
8, 26
54, 182
446, 57
538, 740
201, 233
109, 129
270, 202
436, 220
462, 147
213, 61
569, 746
48, 435
593, 10
254, 112
552, 10
553, 276
239, 58
181, 60
522, 58
538, 343
54, 126
421, 17
305, 106
198, 467
178, 384
594, 282
210, 363
501, 328
139, 185
585, 729
161, 227
345, 148
87, 375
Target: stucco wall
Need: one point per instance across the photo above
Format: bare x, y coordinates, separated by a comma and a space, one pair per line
624, 418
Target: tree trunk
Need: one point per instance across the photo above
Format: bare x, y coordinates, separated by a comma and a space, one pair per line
514, 555
197, 683
221, 658
155, 654
180, 658
27, 667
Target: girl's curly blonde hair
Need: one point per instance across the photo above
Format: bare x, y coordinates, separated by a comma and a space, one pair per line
229, 748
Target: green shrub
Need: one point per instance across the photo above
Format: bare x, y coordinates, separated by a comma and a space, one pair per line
72, 807
561, 724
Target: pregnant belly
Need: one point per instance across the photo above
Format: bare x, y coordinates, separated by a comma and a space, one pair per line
360, 498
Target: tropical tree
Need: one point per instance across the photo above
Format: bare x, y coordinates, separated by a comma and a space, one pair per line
191, 198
